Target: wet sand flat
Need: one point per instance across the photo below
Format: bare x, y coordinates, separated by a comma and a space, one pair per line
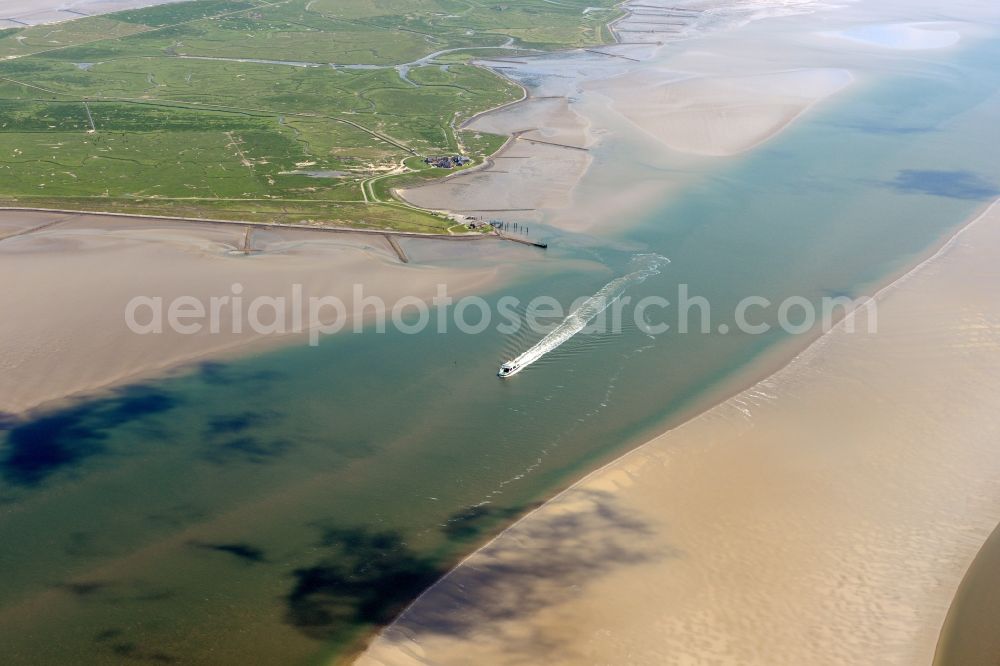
721, 115
538, 169
824, 516
34, 12
64, 329
526, 177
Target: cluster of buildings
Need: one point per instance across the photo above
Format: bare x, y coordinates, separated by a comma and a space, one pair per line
479, 223
447, 161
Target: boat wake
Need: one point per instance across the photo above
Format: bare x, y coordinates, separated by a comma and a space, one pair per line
576, 321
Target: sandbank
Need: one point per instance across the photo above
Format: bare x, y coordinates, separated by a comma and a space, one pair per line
537, 169
721, 115
64, 333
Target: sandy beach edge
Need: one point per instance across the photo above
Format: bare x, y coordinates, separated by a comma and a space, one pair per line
969, 634
948, 646
368, 257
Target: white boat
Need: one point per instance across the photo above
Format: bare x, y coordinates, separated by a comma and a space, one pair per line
507, 369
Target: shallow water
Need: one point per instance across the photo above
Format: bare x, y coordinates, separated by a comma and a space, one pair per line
271, 509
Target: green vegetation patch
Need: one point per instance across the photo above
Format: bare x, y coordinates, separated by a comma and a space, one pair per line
298, 109
42, 117
183, 12
45, 38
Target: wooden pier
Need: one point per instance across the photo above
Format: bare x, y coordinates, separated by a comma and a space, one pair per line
611, 55
523, 241
552, 143
397, 248
41, 227
248, 241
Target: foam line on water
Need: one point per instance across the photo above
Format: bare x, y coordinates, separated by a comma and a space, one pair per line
576, 321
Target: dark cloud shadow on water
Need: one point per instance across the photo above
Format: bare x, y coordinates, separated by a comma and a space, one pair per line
84, 588
111, 592
547, 561
243, 551
35, 449
237, 436
222, 374
369, 577
230, 424
123, 651
964, 185
366, 577
247, 448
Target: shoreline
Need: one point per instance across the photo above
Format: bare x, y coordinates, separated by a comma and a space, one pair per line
381, 645
264, 225
190, 258
968, 635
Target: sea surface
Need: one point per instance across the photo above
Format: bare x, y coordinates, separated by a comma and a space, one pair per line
276, 508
